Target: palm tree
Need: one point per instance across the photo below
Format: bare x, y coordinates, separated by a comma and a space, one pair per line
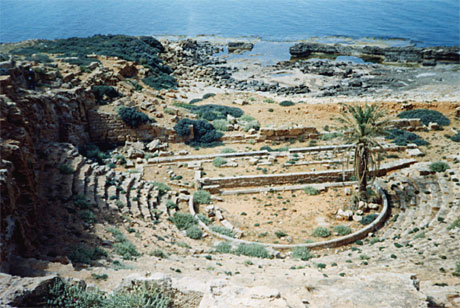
362, 124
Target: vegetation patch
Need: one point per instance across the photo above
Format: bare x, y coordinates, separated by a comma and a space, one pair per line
321, 232
219, 161
61, 294
194, 232
403, 137
162, 187
123, 246
311, 191
287, 103
86, 254
342, 230
454, 224
439, 166
183, 221
132, 117
456, 137
213, 112
426, 116
94, 153
202, 197
252, 250
223, 231
221, 124
103, 91
368, 219
66, 169
204, 133
224, 247
302, 253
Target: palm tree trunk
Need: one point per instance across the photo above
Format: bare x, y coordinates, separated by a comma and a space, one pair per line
362, 169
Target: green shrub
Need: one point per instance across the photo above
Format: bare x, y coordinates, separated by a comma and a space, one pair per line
195, 100
158, 253
222, 230
426, 116
330, 136
219, 161
342, 230
287, 103
247, 118
171, 205
86, 254
454, 224
183, 221
202, 197
402, 137
224, 247
252, 125
104, 90
88, 216
135, 84
126, 250
99, 277
280, 234
269, 149
81, 202
457, 269
170, 111
456, 137
203, 219
227, 150
194, 232
162, 187
321, 232
61, 294
93, 152
252, 250
302, 253
132, 117
66, 169
311, 191
203, 131
220, 124
368, 219
213, 112
439, 166
269, 101
160, 81
208, 95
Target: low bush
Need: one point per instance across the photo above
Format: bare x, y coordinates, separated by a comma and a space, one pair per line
247, 118
457, 269
194, 232
220, 124
287, 103
203, 131
88, 216
330, 136
183, 221
160, 81
202, 197
227, 150
426, 116
252, 250
342, 230
126, 250
368, 219
251, 125
224, 247
66, 169
86, 254
269, 101
439, 166
454, 224
219, 161
81, 202
311, 191
93, 152
102, 91
302, 253
203, 219
402, 137
171, 205
208, 95
195, 100
61, 294
132, 117
222, 230
162, 187
280, 234
456, 137
170, 111
269, 149
321, 232
158, 253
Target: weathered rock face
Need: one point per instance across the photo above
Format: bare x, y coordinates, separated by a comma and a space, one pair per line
426, 56
30, 121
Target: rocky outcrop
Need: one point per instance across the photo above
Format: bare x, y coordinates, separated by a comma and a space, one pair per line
426, 56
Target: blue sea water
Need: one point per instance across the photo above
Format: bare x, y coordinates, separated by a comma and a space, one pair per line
424, 22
